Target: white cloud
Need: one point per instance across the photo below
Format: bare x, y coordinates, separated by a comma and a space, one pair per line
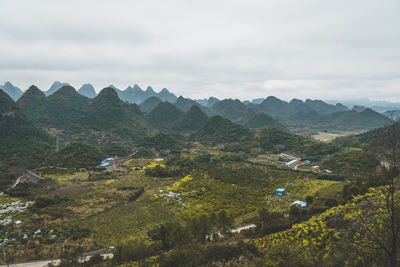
241, 49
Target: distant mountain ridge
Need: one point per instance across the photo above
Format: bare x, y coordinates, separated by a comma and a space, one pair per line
87, 90
13, 91
393, 114
298, 114
149, 104
55, 87
185, 103
258, 113
378, 106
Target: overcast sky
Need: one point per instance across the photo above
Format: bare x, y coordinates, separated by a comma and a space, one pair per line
319, 49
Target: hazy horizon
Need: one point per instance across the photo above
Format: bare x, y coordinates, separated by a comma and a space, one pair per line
356, 101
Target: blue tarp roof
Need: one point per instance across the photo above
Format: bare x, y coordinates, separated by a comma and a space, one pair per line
303, 204
300, 203
280, 190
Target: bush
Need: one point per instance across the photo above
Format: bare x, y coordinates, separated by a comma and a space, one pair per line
42, 201
309, 199
331, 202
137, 194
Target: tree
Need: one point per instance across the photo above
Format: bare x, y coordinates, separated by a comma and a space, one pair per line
201, 227
309, 199
225, 221
295, 213
264, 218
181, 236
377, 227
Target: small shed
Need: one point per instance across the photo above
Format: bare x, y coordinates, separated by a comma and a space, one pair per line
299, 203
280, 191
107, 162
30, 177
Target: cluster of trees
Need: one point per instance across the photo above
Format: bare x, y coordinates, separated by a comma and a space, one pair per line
240, 175
278, 140
191, 244
198, 229
164, 172
352, 162
77, 155
179, 166
268, 222
161, 141
191, 254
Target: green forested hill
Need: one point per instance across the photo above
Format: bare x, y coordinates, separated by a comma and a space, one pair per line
64, 110
77, 118
149, 104
323, 108
108, 113
277, 139
22, 144
193, 119
33, 102
220, 130
366, 119
262, 120
375, 140
234, 110
161, 141
164, 116
185, 104
20, 140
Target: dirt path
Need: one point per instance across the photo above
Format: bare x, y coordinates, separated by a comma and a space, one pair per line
241, 228
44, 263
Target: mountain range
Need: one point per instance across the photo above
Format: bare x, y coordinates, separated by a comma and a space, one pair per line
263, 112
134, 95
137, 95
379, 106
